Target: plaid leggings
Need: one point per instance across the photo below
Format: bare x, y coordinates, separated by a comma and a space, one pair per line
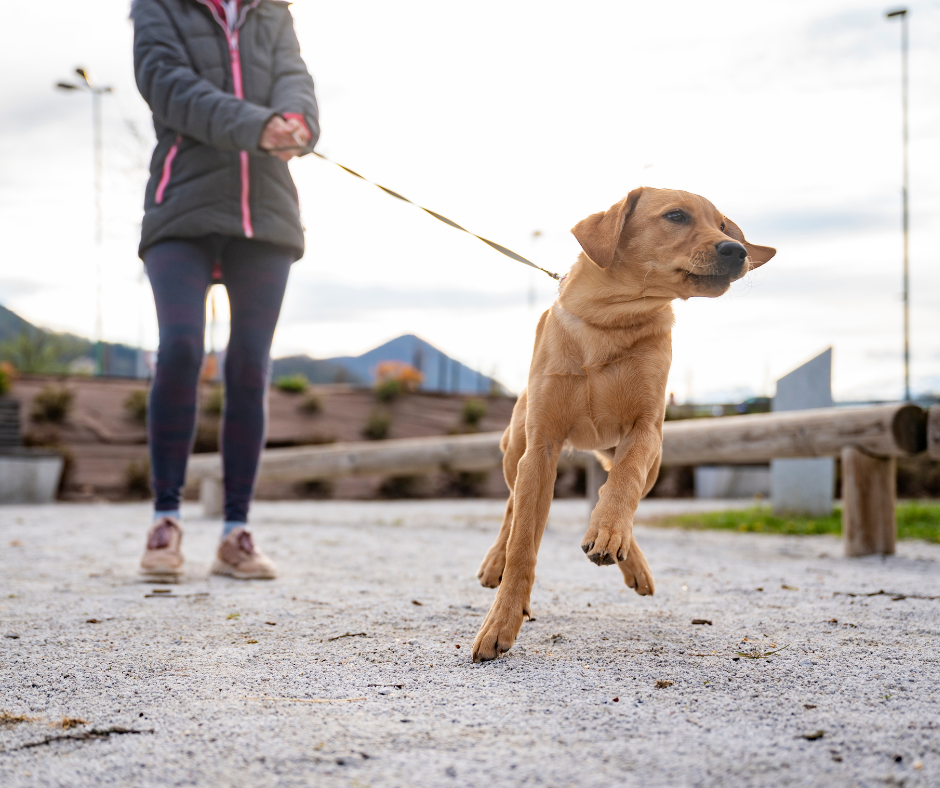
255, 276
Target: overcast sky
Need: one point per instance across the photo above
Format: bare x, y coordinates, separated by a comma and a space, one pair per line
512, 117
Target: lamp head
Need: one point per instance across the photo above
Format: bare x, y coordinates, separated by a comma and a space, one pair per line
81, 72
66, 86
896, 12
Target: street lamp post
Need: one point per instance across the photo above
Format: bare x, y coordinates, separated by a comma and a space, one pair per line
97, 91
902, 12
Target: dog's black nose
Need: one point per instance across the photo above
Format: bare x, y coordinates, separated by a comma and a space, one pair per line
731, 253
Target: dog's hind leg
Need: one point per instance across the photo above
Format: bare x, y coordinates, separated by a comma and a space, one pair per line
513, 446
636, 571
532, 497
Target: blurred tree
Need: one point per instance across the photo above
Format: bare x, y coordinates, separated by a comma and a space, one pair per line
35, 352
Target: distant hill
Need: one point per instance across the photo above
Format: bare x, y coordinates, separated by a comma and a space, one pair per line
12, 325
441, 373
33, 349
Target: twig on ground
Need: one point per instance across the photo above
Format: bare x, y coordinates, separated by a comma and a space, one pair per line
739, 654
309, 700
349, 635
94, 733
895, 596
761, 654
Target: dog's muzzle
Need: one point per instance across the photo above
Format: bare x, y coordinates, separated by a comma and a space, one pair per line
730, 258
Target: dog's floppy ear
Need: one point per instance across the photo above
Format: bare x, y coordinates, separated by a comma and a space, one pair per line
758, 255
599, 234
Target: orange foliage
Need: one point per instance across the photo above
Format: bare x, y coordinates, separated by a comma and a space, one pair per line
404, 374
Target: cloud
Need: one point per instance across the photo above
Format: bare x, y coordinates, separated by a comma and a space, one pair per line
850, 35
797, 223
332, 302
11, 289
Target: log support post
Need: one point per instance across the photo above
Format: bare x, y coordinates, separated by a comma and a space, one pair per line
594, 478
933, 432
210, 496
869, 525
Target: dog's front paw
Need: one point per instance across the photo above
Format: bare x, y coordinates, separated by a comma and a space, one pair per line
606, 542
636, 571
499, 629
491, 570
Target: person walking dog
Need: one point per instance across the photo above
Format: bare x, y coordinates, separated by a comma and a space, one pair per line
232, 103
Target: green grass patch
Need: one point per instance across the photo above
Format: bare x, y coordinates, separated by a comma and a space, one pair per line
916, 520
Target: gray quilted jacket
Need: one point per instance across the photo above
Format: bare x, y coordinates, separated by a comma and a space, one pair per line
212, 88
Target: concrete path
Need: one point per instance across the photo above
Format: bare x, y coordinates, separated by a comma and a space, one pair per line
604, 688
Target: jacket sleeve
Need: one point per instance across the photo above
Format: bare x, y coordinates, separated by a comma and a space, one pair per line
181, 99
293, 91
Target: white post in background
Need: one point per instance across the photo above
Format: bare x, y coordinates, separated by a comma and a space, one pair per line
97, 91
804, 486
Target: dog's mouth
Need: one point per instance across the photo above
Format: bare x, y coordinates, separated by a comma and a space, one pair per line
710, 276
709, 282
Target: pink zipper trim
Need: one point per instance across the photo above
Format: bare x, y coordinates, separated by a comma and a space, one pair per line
236, 62
236, 59
167, 169
246, 207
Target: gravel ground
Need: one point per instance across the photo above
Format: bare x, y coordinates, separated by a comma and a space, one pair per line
378, 602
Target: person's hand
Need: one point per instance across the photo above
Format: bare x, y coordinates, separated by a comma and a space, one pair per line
284, 138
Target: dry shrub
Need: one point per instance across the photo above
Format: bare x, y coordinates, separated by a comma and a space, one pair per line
292, 384
473, 412
136, 406
316, 489
52, 404
466, 484
137, 479
377, 425
312, 404
213, 402
207, 437
407, 486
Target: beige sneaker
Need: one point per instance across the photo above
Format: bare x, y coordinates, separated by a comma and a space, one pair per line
238, 557
163, 558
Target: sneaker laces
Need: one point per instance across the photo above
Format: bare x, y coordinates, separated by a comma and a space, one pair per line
160, 536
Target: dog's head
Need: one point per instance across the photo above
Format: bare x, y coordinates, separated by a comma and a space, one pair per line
676, 243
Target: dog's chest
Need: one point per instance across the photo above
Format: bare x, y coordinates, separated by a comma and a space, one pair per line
607, 406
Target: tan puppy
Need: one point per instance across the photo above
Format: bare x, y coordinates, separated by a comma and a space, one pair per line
598, 383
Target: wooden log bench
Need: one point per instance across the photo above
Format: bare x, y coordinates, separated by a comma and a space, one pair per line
867, 439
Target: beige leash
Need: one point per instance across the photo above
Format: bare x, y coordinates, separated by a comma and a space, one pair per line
492, 244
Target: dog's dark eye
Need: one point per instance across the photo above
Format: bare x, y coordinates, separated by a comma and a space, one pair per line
722, 226
676, 216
